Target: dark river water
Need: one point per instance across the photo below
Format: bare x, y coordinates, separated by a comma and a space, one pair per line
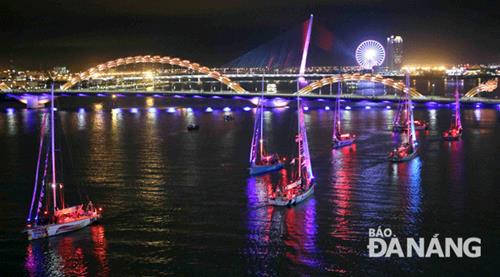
182, 203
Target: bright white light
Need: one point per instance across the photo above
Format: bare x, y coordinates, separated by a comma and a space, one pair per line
134, 110
209, 110
189, 109
327, 108
388, 107
152, 110
246, 109
347, 107
306, 108
367, 107
370, 53
171, 110
227, 109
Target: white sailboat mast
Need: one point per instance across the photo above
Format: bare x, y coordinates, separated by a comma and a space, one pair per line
52, 146
261, 102
299, 136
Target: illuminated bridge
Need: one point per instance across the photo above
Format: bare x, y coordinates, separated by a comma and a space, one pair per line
166, 75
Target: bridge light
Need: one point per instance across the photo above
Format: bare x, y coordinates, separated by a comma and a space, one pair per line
246, 109
10, 111
189, 109
209, 110
152, 110
347, 107
327, 108
227, 109
388, 107
171, 110
306, 108
134, 110
81, 110
367, 107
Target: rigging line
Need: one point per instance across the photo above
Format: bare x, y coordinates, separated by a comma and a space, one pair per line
35, 187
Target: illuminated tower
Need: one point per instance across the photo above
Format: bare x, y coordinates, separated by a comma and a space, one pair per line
394, 52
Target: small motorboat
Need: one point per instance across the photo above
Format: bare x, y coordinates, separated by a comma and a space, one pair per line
193, 127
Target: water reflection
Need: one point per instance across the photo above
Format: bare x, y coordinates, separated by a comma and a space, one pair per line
81, 253
277, 232
407, 177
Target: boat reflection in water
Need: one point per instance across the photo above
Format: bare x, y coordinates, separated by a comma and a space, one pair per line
82, 253
277, 234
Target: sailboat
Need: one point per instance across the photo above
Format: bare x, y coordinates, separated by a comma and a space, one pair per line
50, 215
260, 161
408, 148
455, 131
338, 139
302, 182
401, 118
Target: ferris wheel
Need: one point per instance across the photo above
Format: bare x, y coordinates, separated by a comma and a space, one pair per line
370, 53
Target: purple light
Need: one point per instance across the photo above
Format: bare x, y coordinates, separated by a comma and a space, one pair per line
306, 108
116, 110
10, 111
152, 110
81, 94
327, 108
347, 107
305, 50
179, 96
226, 109
100, 95
209, 110
81, 110
478, 105
388, 107
134, 110
216, 97
189, 109
367, 107
171, 110
246, 109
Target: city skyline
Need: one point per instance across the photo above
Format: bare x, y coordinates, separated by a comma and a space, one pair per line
80, 36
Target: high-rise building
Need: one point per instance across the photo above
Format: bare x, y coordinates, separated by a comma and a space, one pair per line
394, 59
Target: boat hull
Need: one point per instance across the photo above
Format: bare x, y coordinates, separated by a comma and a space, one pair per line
341, 143
403, 159
50, 230
261, 169
290, 202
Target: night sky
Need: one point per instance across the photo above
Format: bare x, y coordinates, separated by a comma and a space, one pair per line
82, 33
